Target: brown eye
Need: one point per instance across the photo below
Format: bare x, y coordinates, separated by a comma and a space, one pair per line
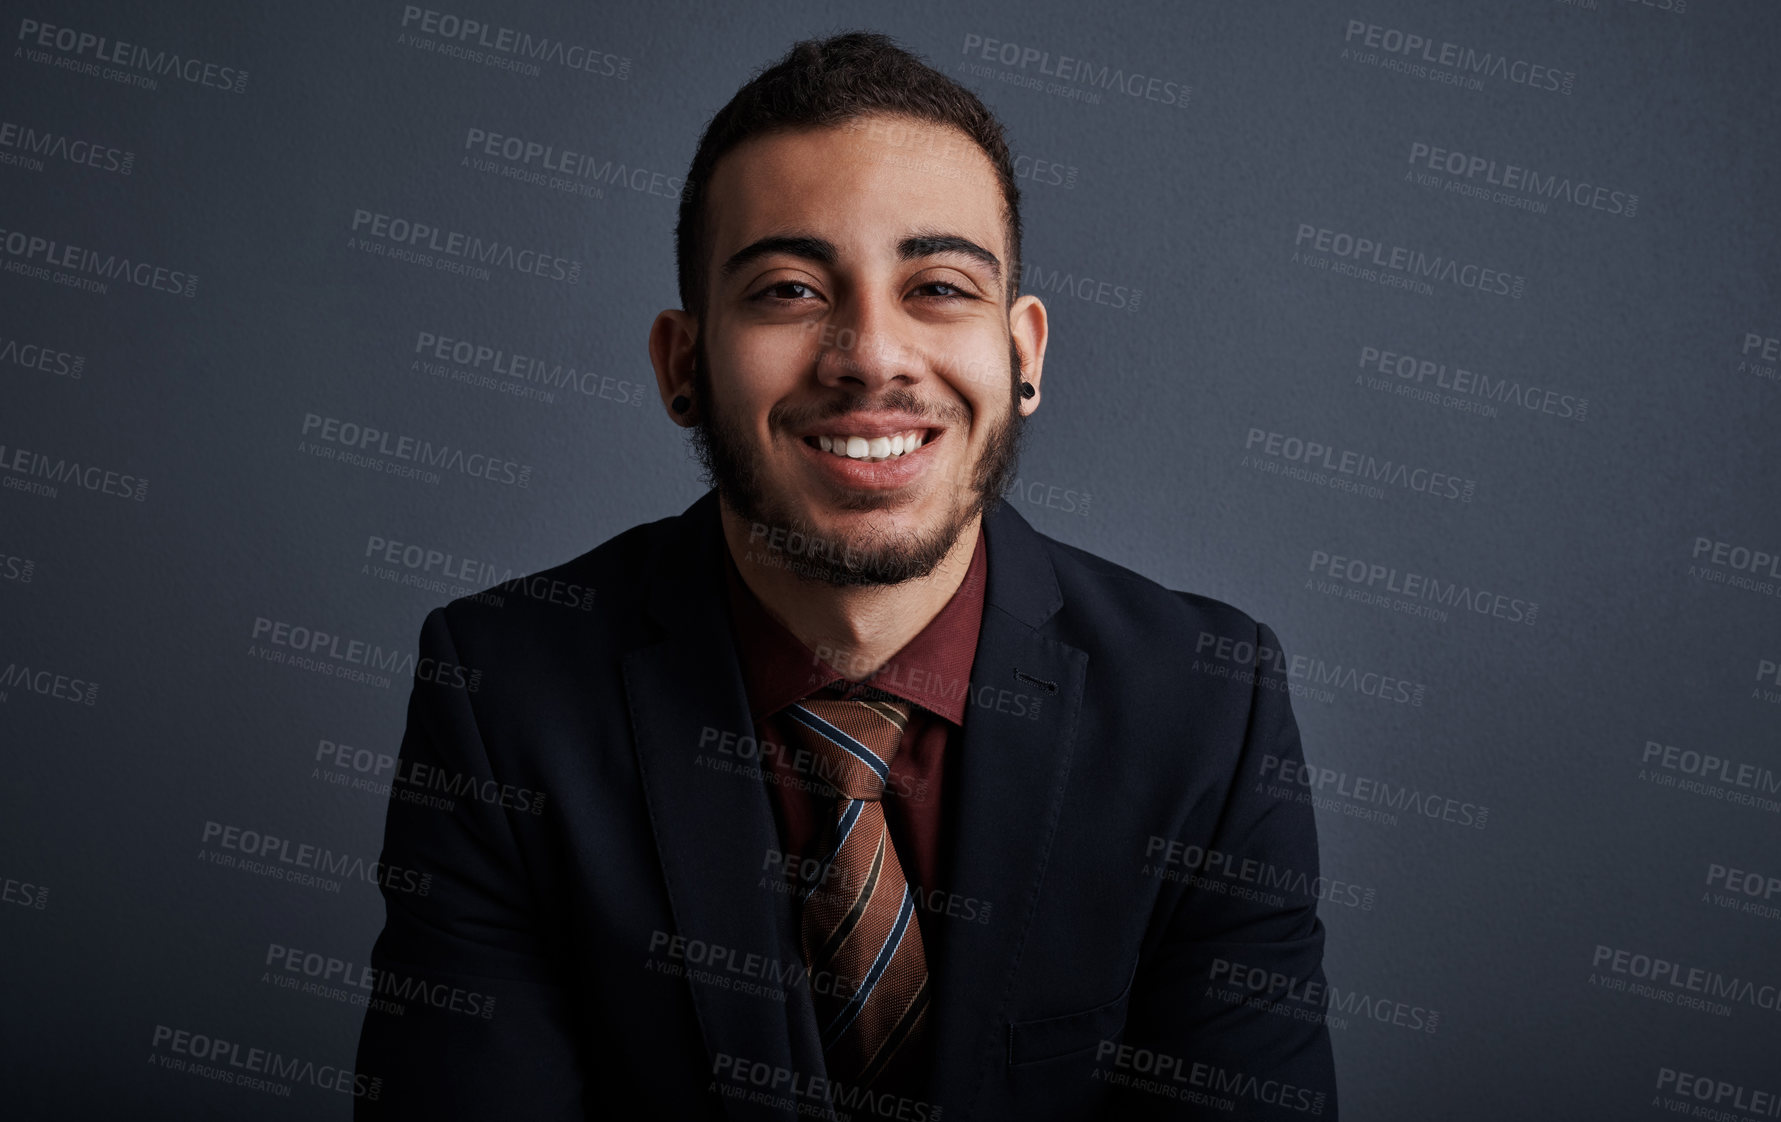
957, 293
766, 293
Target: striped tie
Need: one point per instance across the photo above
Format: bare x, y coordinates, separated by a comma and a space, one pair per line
861, 940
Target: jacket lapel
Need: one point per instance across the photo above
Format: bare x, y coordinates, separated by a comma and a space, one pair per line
1012, 775
712, 827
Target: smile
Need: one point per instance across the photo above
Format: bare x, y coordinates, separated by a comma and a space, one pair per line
870, 449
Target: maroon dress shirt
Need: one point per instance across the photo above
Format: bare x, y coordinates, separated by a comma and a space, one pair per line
932, 671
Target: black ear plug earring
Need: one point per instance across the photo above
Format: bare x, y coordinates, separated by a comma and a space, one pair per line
1026, 389
681, 403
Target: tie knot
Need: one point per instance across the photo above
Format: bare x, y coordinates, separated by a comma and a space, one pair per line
854, 738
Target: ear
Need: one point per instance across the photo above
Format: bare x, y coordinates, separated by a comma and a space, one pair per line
1028, 324
671, 352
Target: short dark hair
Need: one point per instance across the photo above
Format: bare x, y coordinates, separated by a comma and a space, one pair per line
827, 82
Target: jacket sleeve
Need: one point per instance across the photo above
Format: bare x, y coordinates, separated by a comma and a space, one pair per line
1230, 1002
468, 1015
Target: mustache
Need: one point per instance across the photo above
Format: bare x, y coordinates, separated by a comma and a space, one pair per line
898, 400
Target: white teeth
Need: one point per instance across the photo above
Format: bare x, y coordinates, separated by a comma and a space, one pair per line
870, 449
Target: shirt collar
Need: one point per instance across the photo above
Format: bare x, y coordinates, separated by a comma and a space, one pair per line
933, 670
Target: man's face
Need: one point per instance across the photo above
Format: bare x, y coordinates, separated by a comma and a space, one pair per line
855, 296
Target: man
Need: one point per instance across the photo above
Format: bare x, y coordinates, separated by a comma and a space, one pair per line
861, 798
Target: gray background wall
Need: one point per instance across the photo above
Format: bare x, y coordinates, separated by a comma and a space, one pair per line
139, 703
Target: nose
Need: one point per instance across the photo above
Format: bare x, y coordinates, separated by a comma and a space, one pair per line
861, 348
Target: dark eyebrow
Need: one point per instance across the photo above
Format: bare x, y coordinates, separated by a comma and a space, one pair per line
932, 243
810, 248
927, 243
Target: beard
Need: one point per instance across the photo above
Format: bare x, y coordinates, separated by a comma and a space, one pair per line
734, 466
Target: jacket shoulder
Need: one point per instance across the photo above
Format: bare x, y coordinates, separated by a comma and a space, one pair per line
1129, 607
599, 582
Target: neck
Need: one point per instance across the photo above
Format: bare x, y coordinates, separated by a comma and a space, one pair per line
854, 629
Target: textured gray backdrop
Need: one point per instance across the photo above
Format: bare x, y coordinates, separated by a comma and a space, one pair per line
1443, 338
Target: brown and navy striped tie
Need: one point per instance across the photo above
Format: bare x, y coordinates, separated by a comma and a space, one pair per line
861, 940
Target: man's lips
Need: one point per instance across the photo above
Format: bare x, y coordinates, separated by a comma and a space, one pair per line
872, 436
869, 425
855, 446
886, 474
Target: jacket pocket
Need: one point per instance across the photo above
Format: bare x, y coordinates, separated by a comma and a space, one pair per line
1051, 1038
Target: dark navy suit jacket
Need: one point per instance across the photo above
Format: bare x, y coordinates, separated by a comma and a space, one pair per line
1106, 954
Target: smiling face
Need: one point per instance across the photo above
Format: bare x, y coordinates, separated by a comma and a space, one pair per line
857, 373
